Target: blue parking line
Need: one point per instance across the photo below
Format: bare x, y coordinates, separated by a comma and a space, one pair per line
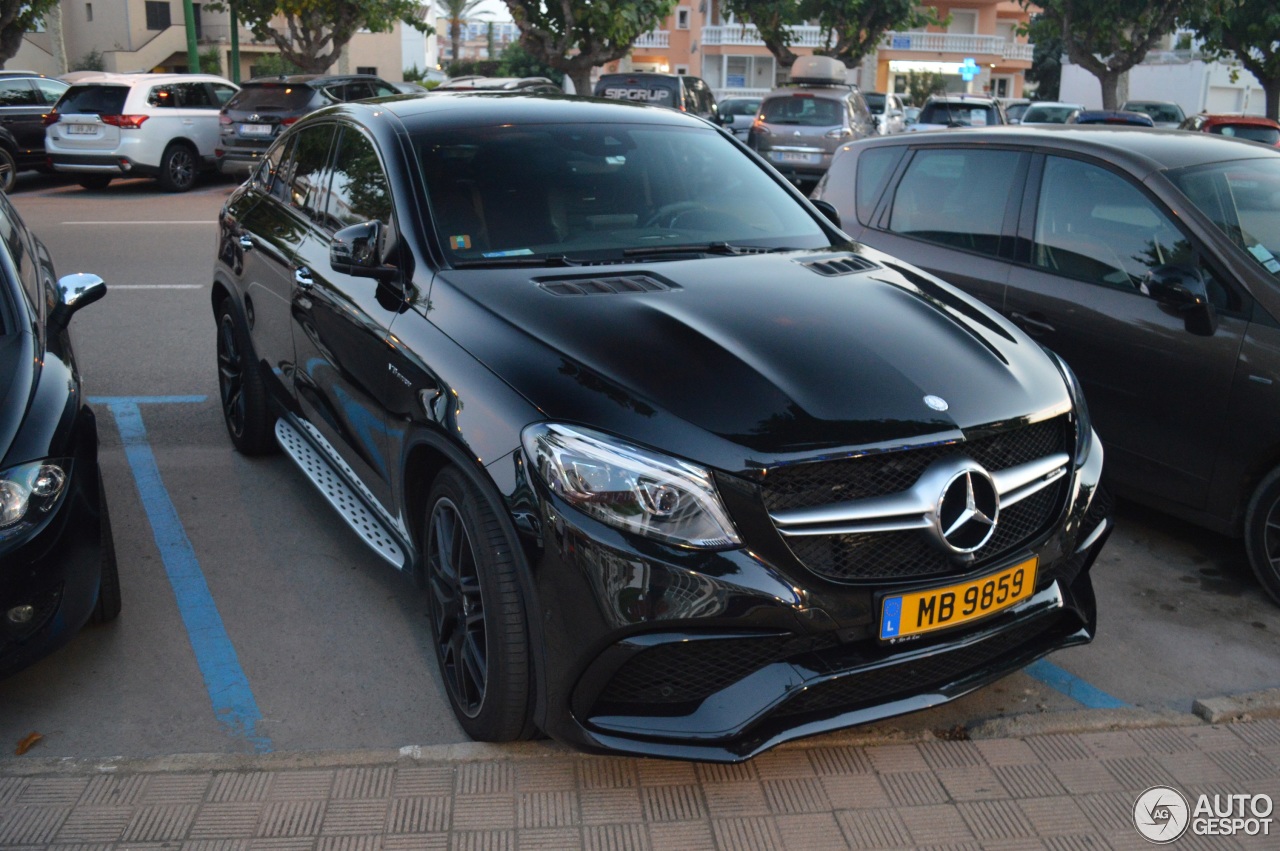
1072, 686
233, 702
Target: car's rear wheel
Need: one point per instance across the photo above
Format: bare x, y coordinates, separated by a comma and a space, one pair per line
178, 168
1262, 533
245, 411
8, 170
477, 613
94, 181
108, 605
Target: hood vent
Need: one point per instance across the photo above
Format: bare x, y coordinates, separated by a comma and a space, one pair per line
844, 265
607, 285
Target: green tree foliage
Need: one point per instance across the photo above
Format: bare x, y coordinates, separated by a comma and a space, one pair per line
1247, 30
574, 36
16, 18
1046, 61
1108, 37
922, 84
315, 31
851, 28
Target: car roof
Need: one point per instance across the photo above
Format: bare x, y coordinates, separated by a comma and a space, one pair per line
312, 79
142, 77
1140, 149
977, 99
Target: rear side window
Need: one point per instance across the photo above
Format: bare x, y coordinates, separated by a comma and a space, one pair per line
93, 100
956, 197
803, 110
279, 97
17, 93
874, 167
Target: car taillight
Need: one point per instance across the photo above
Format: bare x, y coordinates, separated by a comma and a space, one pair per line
285, 122
224, 119
124, 122
50, 118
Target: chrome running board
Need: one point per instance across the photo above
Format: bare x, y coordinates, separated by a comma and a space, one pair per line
339, 493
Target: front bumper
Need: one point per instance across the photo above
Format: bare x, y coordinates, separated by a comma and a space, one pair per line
650, 650
57, 568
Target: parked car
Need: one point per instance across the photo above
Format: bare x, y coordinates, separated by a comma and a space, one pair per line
803, 122
683, 471
264, 106
942, 111
910, 115
408, 87
1015, 108
528, 85
1164, 113
886, 111
1255, 128
1111, 116
675, 91
738, 114
1147, 260
25, 98
57, 561
1050, 112
156, 125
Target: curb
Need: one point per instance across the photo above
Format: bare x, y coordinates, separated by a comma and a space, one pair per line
1241, 707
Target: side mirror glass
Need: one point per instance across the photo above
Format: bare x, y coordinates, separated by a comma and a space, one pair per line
357, 250
74, 292
1183, 289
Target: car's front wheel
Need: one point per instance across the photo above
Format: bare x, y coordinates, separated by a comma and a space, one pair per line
477, 613
241, 389
178, 168
1262, 533
8, 170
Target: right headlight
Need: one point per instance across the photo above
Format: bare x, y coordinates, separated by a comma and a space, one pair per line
630, 488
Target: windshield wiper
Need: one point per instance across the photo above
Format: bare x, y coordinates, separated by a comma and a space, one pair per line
504, 262
724, 248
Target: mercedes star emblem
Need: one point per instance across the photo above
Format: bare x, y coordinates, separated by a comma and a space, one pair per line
967, 510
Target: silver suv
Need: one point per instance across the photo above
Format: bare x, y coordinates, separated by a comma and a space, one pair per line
801, 124
158, 125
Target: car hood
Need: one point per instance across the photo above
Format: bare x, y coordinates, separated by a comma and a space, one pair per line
16, 379
749, 360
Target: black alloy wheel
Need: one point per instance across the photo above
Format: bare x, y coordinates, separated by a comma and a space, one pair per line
240, 388
8, 170
477, 615
1262, 533
177, 168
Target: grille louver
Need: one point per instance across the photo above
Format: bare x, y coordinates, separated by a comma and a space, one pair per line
836, 266
612, 285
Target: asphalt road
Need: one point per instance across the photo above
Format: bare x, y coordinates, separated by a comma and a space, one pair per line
328, 643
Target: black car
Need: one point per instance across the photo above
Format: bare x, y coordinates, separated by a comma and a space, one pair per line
57, 562
683, 471
674, 91
1146, 258
1111, 116
25, 99
265, 106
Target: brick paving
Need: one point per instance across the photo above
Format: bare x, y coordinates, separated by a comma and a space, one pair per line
1060, 792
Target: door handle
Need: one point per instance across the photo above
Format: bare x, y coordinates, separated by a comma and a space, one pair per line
246, 243
1032, 325
302, 277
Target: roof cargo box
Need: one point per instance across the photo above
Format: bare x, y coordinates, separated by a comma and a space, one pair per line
818, 70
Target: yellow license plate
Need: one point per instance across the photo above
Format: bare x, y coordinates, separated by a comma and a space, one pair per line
905, 615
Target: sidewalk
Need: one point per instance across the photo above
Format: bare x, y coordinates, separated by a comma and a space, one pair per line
1047, 790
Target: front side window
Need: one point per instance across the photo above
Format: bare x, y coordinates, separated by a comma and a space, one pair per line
309, 177
1097, 227
359, 192
956, 197
603, 193
17, 93
1241, 197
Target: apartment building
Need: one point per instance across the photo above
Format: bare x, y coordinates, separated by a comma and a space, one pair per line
151, 35
978, 49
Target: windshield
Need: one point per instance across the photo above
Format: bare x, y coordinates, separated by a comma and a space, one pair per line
93, 99
1165, 113
271, 97
957, 115
1048, 114
599, 193
1252, 132
802, 109
739, 106
1242, 197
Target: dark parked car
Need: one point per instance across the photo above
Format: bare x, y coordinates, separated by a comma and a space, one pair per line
675, 91
1164, 113
264, 106
25, 99
683, 471
1146, 259
57, 562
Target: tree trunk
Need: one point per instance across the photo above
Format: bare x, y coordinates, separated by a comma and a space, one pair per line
53, 23
1110, 82
581, 79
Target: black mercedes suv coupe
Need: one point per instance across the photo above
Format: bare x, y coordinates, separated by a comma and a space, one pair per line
683, 470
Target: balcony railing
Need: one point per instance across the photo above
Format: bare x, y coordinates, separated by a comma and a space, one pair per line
985, 45
655, 39
747, 34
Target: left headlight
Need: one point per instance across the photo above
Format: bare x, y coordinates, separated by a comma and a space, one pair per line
31, 490
1084, 427
630, 488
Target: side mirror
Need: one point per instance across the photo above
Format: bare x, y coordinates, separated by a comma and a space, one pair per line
357, 250
1183, 289
829, 210
74, 292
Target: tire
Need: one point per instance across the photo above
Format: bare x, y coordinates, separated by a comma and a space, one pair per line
8, 170
1262, 533
107, 608
241, 391
478, 621
95, 181
178, 168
